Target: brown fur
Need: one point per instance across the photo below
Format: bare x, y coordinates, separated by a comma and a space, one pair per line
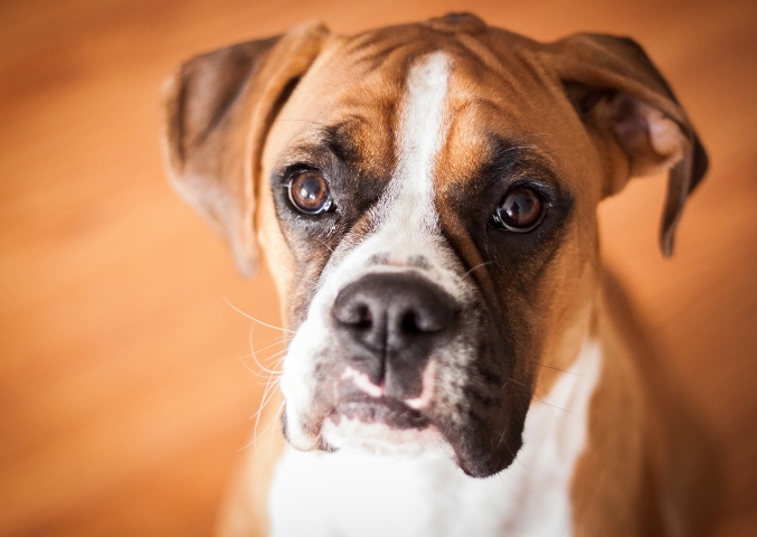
227, 136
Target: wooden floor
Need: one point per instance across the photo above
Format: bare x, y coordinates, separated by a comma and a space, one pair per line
126, 377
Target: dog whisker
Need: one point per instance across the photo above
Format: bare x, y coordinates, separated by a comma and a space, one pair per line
253, 352
550, 406
478, 266
248, 316
271, 425
501, 437
254, 355
261, 371
553, 367
273, 378
278, 358
268, 395
329, 248
253, 371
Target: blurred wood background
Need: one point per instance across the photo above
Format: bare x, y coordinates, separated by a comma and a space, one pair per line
126, 377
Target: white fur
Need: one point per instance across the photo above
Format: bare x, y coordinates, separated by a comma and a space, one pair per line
350, 494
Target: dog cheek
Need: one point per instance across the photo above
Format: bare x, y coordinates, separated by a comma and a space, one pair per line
483, 407
304, 285
293, 420
298, 385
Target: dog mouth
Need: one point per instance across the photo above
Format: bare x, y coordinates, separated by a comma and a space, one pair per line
379, 425
348, 416
384, 410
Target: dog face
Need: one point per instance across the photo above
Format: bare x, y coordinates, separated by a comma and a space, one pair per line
421, 315
426, 196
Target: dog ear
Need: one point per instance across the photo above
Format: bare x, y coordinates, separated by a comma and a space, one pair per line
218, 110
623, 98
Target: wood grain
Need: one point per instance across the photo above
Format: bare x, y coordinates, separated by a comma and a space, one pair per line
126, 377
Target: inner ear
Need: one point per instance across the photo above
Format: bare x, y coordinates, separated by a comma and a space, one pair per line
652, 141
585, 98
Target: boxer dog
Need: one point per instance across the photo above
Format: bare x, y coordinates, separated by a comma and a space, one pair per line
460, 364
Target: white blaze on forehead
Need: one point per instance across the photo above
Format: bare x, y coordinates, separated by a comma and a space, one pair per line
408, 203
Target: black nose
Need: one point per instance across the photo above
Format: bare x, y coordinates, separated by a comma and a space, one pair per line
391, 323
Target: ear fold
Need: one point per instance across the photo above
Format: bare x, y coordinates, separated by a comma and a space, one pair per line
621, 96
218, 110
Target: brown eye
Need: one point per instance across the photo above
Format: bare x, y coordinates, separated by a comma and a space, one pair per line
309, 193
521, 210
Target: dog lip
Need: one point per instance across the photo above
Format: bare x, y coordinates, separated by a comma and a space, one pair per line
386, 410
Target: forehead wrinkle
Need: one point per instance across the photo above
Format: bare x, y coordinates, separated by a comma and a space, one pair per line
341, 139
467, 143
507, 159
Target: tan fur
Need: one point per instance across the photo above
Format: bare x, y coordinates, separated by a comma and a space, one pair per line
676, 486
501, 83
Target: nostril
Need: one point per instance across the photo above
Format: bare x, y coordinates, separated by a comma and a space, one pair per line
409, 323
425, 320
354, 314
363, 319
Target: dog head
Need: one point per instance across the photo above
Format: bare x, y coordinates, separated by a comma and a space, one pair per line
426, 197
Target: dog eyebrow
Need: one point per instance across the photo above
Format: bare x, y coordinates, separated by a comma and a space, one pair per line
340, 140
514, 158
321, 146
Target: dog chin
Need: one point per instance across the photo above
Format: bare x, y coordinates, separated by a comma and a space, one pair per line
335, 432
381, 439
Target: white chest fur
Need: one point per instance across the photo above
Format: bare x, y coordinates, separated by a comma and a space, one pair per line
348, 494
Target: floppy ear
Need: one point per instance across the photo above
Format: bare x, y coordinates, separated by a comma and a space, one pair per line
623, 98
218, 110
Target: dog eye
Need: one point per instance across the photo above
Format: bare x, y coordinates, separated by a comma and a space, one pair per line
309, 193
521, 210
